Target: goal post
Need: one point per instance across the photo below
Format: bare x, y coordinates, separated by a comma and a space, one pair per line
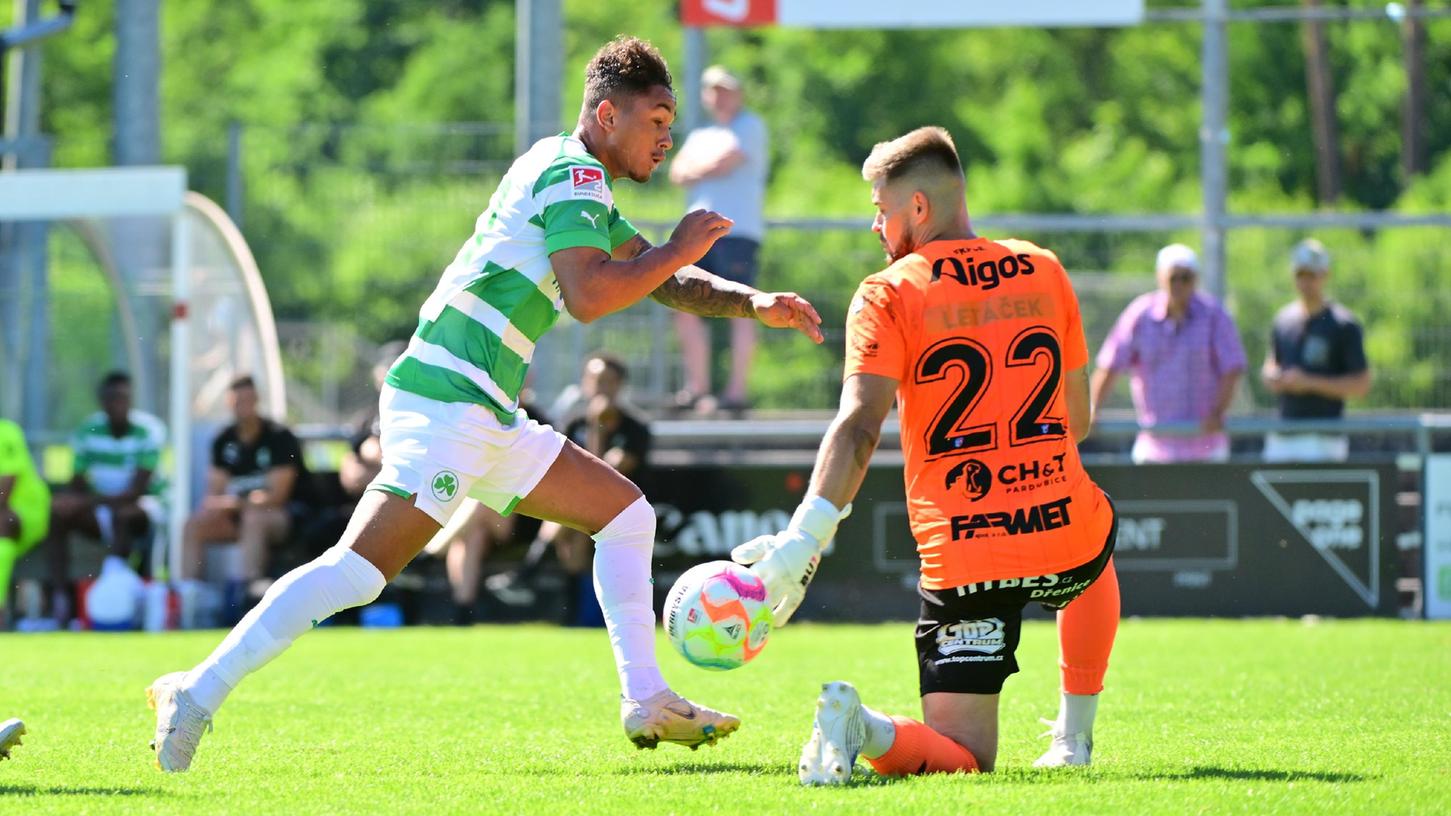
210, 319
124, 192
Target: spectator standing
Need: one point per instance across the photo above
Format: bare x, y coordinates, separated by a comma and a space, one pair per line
612, 431
24, 518
251, 496
1316, 361
1184, 357
723, 167
112, 495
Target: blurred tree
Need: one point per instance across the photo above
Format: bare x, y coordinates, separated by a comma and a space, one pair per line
356, 194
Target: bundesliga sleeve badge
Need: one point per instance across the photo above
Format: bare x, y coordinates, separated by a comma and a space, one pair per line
588, 182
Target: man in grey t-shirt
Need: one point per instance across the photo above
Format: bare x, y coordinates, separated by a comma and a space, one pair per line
1316, 361
723, 166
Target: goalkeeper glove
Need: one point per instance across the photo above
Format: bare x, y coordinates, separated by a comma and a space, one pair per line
786, 562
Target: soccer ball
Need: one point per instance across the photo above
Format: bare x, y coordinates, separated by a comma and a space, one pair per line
716, 615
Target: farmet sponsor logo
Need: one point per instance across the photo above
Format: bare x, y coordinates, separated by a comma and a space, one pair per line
1024, 520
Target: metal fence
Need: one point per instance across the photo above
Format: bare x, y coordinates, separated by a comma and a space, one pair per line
363, 218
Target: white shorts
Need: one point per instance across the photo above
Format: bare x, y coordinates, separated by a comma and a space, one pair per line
1306, 448
442, 452
1147, 451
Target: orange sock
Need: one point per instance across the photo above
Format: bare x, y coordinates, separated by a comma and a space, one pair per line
1086, 629
918, 750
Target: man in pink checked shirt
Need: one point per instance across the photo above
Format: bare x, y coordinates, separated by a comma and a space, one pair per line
1184, 357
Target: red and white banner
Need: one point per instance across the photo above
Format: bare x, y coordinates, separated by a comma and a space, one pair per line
911, 13
728, 12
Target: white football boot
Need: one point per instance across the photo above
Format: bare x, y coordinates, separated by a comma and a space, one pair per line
836, 736
668, 717
1066, 749
180, 722
10, 733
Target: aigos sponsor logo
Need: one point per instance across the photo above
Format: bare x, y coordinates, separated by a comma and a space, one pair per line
987, 274
985, 636
1036, 519
1330, 524
972, 477
1025, 477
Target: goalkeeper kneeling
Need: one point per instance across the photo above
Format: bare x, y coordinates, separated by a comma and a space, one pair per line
980, 345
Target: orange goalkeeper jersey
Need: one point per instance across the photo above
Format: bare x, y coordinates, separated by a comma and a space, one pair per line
979, 334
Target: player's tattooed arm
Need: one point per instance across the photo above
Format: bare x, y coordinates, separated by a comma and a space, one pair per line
631, 249
694, 290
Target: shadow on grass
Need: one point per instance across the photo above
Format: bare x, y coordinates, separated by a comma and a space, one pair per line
868, 778
1046, 776
77, 790
720, 767
1261, 775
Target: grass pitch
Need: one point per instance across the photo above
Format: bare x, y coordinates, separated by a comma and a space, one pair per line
1199, 717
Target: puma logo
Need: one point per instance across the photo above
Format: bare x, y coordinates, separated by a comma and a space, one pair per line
590, 218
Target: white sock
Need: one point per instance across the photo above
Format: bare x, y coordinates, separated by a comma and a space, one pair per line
881, 733
336, 580
624, 589
1076, 713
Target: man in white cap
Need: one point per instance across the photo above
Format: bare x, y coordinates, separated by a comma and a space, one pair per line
723, 167
1185, 359
1316, 361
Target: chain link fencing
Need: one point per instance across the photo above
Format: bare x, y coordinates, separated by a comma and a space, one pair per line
352, 226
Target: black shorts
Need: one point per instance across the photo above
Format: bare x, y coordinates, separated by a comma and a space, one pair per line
967, 637
733, 259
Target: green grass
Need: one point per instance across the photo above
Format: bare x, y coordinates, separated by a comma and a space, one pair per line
1199, 717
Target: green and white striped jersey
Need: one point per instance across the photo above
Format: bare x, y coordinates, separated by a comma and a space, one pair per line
109, 463
477, 331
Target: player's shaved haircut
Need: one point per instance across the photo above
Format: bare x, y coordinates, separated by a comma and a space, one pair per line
624, 66
926, 151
